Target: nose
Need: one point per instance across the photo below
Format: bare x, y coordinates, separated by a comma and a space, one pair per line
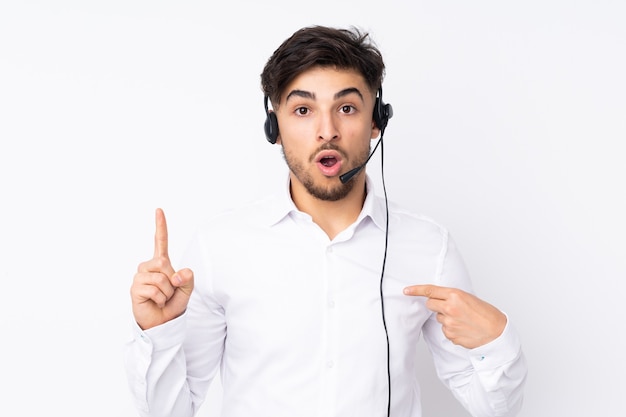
327, 128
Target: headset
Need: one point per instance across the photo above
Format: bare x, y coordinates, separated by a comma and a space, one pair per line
382, 113
271, 123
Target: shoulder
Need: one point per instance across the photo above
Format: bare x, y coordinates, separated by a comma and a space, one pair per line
410, 220
247, 216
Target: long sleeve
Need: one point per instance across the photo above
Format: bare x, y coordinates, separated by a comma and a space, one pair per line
169, 374
157, 381
487, 380
170, 367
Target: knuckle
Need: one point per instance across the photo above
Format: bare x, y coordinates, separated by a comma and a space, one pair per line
139, 279
155, 294
454, 294
450, 310
161, 262
143, 267
158, 279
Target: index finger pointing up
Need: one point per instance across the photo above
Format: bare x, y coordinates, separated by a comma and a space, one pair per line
160, 236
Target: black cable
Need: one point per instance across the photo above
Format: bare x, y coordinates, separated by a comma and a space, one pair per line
382, 273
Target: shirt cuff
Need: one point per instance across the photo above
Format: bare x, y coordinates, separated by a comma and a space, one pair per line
500, 351
164, 336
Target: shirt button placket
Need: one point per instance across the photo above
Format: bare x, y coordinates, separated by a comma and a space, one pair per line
331, 349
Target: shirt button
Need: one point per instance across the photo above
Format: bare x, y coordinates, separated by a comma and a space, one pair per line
330, 364
329, 249
331, 304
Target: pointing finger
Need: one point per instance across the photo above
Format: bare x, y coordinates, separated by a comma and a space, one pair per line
430, 291
160, 236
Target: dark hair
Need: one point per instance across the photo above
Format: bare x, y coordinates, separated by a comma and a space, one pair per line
320, 46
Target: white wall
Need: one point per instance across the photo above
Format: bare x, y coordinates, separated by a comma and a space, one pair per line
509, 128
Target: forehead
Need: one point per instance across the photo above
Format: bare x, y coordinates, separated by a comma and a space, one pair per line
324, 82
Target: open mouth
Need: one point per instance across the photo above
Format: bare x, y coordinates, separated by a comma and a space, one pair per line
328, 161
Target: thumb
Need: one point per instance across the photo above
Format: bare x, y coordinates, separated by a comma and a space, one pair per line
183, 281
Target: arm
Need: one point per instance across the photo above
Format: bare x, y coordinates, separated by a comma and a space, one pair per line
170, 367
162, 378
477, 352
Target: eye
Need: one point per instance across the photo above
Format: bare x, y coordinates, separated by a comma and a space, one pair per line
302, 111
347, 109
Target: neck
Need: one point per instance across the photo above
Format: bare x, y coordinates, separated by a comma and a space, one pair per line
331, 216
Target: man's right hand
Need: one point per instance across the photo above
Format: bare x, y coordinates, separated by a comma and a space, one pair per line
158, 293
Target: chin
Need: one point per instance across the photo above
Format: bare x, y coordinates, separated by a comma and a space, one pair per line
333, 192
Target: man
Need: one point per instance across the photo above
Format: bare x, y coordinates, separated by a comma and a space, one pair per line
312, 302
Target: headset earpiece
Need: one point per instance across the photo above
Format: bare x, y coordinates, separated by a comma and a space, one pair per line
382, 112
271, 124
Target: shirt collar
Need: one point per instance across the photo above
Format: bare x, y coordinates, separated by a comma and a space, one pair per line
282, 206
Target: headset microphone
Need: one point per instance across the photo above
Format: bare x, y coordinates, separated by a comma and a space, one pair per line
344, 178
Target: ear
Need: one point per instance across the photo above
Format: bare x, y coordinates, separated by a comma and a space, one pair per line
375, 130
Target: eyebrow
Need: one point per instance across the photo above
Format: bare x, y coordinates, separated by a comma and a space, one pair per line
310, 95
347, 91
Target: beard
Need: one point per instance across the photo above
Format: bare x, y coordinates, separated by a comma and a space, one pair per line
332, 192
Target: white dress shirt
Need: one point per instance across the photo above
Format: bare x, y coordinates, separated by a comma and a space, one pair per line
293, 322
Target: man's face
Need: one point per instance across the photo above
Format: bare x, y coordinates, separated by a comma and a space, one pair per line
325, 124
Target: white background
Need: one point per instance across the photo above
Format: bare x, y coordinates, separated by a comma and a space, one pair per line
509, 129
